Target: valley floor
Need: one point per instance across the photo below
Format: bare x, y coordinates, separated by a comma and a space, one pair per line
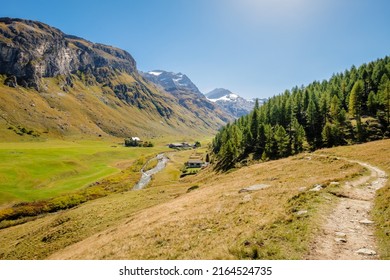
216, 216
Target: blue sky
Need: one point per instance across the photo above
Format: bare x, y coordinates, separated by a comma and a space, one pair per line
256, 48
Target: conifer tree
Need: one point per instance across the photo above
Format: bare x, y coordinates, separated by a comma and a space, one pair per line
372, 103
355, 106
282, 141
315, 114
298, 136
384, 100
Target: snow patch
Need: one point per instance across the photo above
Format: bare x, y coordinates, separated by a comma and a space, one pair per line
230, 97
154, 73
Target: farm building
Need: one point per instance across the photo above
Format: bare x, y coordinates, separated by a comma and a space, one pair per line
194, 163
180, 145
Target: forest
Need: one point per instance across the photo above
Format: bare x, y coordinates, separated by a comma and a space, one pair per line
351, 107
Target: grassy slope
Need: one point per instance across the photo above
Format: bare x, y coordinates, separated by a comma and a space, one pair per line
40, 170
214, 221
42, 237
86, 111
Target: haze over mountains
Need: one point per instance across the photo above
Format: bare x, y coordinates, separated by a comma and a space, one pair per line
57, 84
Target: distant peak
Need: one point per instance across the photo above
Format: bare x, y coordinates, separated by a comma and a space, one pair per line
171, 81
218, 93
155, 73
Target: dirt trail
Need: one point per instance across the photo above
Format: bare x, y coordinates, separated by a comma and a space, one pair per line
348, 233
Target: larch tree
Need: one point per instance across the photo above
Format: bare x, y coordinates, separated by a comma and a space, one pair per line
355, 106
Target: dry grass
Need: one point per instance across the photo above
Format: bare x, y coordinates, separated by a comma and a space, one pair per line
213, 221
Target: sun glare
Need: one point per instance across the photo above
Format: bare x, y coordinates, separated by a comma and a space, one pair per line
273, 12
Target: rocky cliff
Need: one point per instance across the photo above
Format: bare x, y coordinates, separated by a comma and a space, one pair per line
30, 50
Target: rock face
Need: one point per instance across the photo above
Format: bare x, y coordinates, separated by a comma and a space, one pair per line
30, 50
172, 82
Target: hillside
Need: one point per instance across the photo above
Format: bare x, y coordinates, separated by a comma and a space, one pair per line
220, 219
351, 107
55, 85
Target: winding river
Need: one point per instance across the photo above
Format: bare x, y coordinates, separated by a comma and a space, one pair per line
147, 176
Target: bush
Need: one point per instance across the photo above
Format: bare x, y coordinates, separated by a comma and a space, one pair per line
192, 188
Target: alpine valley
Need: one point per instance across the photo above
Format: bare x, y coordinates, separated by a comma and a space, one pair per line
59, 85
301, 175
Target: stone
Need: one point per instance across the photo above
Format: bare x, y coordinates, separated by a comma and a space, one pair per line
366, 222
340, 234
301, 212
254, 188
247, 198
316, 188
334, 183
367, 252
340, 240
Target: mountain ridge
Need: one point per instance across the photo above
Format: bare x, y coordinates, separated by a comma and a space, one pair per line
171, 81
231, 103
58, 85
188, 94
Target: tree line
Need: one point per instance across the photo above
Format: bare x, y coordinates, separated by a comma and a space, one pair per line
350, 107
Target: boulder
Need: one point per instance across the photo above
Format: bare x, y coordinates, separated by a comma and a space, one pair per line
367, 252
316, 188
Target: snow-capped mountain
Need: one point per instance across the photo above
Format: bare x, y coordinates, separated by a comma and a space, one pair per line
171, 81
187, 93
230, 102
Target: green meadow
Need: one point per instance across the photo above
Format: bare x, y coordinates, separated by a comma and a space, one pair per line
39, 170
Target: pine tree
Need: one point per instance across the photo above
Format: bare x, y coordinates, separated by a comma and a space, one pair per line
372, 103
355, 106
228, 152
313, 127
298, 136
384, 101
315, 114
269, 143
335, 105
327, 135
282, 141
254, 128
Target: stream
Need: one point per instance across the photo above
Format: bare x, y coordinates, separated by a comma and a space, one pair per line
147, 176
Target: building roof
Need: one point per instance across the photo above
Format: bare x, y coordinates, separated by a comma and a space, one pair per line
195, 161
176, 144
